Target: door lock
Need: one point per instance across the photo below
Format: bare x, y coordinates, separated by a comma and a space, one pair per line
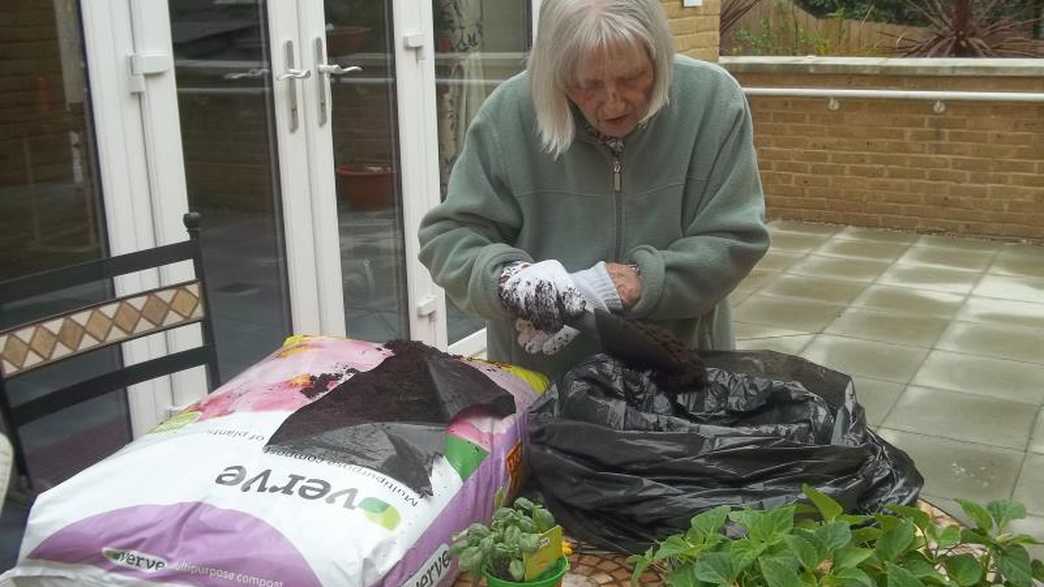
291, 74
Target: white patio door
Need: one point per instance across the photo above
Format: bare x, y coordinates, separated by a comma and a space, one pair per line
369, 113
291, 119
240, 83
398, 82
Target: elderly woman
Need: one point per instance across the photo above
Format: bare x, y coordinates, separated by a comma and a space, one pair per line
611, 174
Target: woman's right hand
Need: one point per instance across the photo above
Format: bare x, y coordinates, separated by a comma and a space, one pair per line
542, 293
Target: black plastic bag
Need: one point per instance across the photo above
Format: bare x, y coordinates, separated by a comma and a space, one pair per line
621, 462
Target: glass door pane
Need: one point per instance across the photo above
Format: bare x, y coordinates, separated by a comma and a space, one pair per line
366, 164
51, 216
478, 46
225, 97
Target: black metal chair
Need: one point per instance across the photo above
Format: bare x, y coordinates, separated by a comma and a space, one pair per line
42, 343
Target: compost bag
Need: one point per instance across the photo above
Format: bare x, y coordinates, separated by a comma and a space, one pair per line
622, 461
198, 501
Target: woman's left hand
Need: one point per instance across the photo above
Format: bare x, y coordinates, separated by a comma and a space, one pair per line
627, 281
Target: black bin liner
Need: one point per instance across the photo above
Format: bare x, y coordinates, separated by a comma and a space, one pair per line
621, 462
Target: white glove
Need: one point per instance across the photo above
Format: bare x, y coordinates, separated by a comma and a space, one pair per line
542, 293
536, 341
598, 288
598, 291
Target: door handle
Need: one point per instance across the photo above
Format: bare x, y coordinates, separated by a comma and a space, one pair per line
291, 75
326, 70
251, 74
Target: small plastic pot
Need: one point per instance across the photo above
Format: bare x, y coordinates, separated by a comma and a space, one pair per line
551, 578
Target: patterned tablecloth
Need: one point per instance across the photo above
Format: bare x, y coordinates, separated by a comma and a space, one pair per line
594, 568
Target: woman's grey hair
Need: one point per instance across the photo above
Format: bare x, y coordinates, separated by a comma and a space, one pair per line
570, 29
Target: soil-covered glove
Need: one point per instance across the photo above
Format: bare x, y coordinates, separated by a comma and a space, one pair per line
599, 292
542, 293
536, 341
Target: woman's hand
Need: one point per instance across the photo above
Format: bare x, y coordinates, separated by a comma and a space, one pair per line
627, 281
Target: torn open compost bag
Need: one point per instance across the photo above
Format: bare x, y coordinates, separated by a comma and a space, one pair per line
198, 500
392, 418
622, 462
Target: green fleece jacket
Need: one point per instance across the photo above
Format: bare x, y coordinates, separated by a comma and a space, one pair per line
684, 202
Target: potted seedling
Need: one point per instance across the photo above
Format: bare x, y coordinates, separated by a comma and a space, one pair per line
521, 546
797, 545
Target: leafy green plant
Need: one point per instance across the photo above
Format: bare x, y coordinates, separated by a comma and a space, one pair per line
787, 39
800, 545
781, 32
498, 548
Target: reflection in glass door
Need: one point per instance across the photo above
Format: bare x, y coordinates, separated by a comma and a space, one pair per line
478, 46
368, 190
225, 85
51, 216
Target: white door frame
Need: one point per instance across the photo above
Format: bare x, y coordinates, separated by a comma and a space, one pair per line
419, 153
123, 177
294, 152
325, 237
152, 79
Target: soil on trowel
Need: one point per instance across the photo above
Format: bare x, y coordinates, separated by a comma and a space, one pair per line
686, 371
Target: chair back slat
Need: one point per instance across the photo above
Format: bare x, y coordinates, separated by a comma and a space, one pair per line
58, 279
78, 393
44, 342
91, 328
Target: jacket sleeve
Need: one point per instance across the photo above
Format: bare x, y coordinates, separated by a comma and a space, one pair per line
466, 240
725, 233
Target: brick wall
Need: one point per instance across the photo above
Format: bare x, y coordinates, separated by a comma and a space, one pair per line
975, 169
695, 29
34, 122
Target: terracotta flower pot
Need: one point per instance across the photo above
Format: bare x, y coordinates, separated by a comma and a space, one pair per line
366, 187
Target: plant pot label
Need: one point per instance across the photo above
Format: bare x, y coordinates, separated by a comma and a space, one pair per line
549, 552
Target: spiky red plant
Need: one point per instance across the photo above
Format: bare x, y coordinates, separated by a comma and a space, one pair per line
963, 28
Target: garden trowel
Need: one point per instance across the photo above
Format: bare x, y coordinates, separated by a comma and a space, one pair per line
626, 340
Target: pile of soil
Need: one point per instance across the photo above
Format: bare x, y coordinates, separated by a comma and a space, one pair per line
320, 384
393, 417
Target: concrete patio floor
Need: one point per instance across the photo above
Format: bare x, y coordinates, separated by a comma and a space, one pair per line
944, 339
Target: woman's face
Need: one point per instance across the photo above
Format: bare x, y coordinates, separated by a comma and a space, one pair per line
613, 87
